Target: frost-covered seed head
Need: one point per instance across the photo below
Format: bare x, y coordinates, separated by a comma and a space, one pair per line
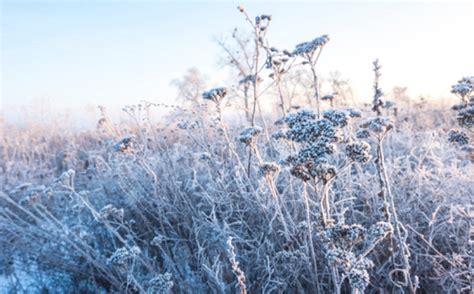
465, 117
161, 284
269, 169
303, 127
358, 151
291, 262
343, 235
459, 106
250, 79
464, 87
458, 137
325, 171
279, 134
249, 135
339, 118
215, 94
276, 59
204, 156
299, 117
311, 46
359, 277
301, 172
378, 124
313, 130
333, 255
316, 150
182, 125
379, 231
328, 97
354, 112
362, 134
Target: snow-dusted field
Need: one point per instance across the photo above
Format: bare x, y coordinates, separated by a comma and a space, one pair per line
279, 182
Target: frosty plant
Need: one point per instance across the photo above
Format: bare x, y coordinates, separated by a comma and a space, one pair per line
340, 242
140, 207
260, 28
464, 89
248, 136
310, 52
316, 163
280, 62
330, 98
378, 127
216, 95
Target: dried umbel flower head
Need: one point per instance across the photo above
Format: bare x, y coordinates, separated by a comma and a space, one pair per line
465, 117
312, 130
204, 156
277, 60
279, 134
459, 106
378, 124
307, 48
316, 151
344, 236
354, 112
464, 87
250, 79
161, 284
359, 277
458, 137
215, 94
362, 134
325, 171
262, 21
182, 125
301, 172
339, 118
291, 262
269, 169
249, 135
299, 117
328, 97
304, 128
358, 151
379, 231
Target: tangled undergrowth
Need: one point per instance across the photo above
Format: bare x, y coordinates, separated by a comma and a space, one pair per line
326, 199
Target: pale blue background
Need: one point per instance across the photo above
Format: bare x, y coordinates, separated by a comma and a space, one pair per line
77, 53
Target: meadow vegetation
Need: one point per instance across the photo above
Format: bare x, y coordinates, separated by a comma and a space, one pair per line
278, 182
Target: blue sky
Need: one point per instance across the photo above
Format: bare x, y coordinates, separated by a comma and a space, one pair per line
77, 53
